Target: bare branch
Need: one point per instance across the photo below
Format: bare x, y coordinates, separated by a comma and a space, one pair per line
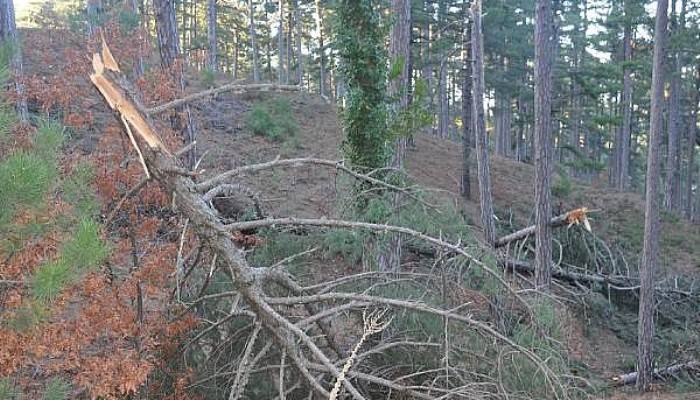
231, 87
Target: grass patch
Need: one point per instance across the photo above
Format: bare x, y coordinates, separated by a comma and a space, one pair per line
28, 316
25, 179
56, 389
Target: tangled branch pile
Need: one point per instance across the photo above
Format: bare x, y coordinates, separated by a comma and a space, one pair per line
267, 325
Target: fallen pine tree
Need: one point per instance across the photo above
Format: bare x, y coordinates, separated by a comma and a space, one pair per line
287, 321
659, 373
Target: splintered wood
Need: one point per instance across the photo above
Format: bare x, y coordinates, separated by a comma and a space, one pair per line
119, 102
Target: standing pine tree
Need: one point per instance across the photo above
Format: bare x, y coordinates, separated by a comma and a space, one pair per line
482, 151
650, 255
543, 142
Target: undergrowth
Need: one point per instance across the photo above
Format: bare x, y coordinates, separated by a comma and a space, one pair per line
273, 119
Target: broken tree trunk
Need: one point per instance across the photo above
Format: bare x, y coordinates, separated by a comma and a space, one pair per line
576, 216
659, 373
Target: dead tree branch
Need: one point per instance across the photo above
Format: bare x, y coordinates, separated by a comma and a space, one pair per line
231, 87
572, 217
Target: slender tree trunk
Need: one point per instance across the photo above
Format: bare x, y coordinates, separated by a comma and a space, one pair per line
645, 333
280, 42
136, 7
290, 24
253, 40
166, 30
297, 38
211, 34
236, 47
692, 134
467, 123
623, 178
482, 153
427, 72
8, 33
673, 159
399, 49
543, 142
321, 50
92, 9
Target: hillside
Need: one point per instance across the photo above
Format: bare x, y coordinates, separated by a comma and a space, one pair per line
128, 308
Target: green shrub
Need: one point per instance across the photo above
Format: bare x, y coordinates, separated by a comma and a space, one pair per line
85, 250
77, 190
208, 77
25, 179
562, 186
56, 389
28, 316
259, 121
273, 119
6, 390
48, 139
8, 119
49, 279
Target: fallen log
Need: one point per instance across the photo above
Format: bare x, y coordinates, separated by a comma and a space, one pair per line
577, 216
659, 373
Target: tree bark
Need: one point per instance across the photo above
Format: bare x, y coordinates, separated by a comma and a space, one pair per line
399, 51
297, 38
692, 211
623, 178
543, 142
8, 32
673, 158
645, 333
482, 153
253, 40
211, 34
166, 30
467, 122
322, 50
280, 42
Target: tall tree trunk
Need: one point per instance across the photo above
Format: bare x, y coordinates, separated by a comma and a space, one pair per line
443, 106
467, 123
280, 42
166, 30
482, 153
543, 142
322, 50
236, 48
623, 178
673, 159
8, 33
692, 134
92, 8
297, 38
253, 40
137, 7
290, 25
427, 59
211, 34
645, 332
399, 50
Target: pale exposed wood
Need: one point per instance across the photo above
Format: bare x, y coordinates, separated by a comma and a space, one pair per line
577, 216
